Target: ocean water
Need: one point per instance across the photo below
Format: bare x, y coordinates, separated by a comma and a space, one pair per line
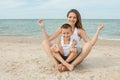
30, 27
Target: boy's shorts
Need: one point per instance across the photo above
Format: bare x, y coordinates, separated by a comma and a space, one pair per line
65, 57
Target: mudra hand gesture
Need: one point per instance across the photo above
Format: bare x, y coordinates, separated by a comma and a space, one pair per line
40, 22
101, 26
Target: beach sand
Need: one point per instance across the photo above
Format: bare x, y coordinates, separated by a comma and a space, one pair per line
23, 58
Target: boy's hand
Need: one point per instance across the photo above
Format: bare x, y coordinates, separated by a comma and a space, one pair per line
74, 43
54, 48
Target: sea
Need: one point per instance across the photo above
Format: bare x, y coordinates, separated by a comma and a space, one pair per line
30, 27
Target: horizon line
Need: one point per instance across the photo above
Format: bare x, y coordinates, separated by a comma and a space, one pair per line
58, 18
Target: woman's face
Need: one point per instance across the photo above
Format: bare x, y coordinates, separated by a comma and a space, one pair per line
72, 18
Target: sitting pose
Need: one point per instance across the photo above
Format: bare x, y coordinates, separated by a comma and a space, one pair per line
73, 19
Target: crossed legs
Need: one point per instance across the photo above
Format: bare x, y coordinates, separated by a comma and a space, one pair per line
65, 63
85, 51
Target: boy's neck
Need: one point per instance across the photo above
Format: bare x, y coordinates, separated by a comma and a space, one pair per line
66, 41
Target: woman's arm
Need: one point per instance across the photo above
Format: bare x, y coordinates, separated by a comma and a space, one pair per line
45, 35
55, 34
41, 23
94, 39
83, 35
86, 37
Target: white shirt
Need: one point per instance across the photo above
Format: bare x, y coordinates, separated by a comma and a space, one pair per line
66, 47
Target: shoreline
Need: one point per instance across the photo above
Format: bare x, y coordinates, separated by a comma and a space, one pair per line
40, 37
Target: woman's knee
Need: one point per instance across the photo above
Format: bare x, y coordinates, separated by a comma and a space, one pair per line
88, 45
43, 42
46, 42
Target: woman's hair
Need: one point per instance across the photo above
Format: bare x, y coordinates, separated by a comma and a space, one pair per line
78, 24
66, 26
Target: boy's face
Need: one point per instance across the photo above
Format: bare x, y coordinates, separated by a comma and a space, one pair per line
66, 33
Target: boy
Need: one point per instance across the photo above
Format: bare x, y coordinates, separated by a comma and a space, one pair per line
66, 47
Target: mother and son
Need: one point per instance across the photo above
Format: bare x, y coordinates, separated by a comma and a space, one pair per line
68, 53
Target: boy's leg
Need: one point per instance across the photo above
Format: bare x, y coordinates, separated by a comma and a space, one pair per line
59, 58
85, 51
72, 55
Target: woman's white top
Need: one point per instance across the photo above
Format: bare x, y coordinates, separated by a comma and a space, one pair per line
76, 37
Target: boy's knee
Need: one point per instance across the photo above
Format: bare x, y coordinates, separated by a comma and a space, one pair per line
74, 50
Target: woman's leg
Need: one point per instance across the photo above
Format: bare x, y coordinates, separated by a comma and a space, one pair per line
46, 45
85, 51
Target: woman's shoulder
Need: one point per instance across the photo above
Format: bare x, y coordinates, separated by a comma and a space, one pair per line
80, 30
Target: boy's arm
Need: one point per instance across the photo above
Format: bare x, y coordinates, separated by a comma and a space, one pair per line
60, 46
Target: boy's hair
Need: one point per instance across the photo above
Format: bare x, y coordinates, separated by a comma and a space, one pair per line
66, 26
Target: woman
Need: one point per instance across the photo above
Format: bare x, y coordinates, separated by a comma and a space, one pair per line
74, 19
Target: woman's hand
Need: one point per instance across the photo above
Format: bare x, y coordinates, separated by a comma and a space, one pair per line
101, 26
40, 22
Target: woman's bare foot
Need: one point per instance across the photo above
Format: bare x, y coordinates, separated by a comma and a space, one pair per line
70, 67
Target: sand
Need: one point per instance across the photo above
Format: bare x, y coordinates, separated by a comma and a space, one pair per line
23, 58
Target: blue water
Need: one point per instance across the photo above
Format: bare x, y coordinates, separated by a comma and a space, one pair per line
29, 27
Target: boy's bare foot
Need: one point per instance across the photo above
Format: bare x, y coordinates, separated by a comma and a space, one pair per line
64, 68
60, 67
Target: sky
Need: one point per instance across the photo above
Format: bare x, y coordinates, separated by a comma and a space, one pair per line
57, 9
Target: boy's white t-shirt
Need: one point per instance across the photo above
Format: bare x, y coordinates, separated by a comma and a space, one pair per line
66, 47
